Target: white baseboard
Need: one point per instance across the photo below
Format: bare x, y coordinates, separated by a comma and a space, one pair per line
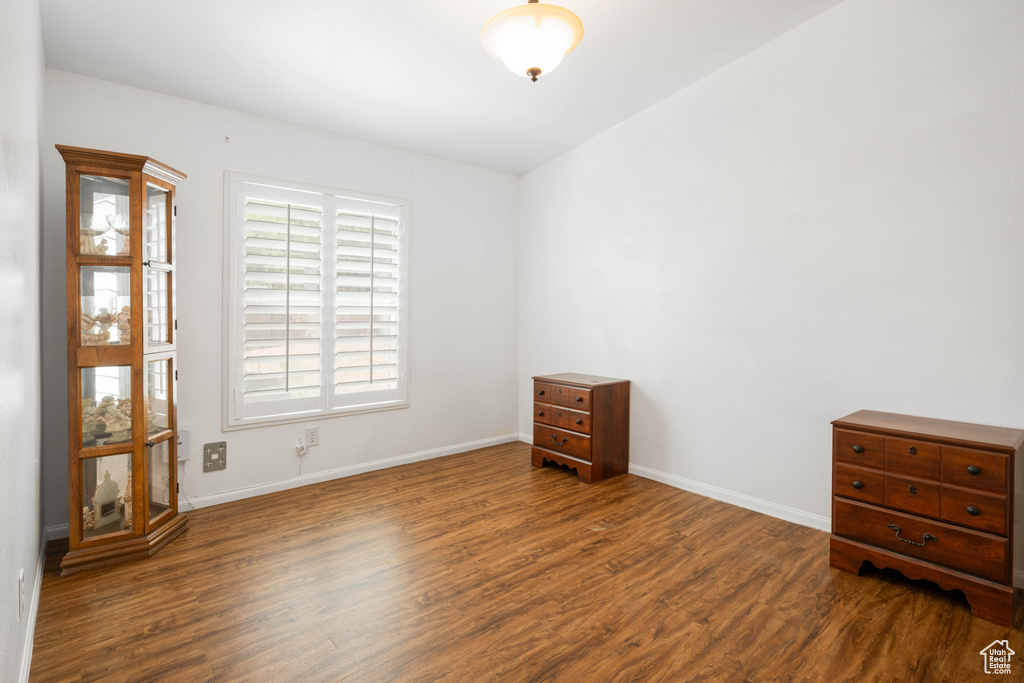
201, 501
742, 500
526, 438
33, 609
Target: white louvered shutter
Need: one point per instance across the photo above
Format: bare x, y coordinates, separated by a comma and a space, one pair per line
282, 301
317, 312
368, 311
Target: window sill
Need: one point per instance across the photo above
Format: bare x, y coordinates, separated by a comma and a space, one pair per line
231, 426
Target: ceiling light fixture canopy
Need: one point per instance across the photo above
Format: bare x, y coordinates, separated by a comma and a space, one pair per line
532, 39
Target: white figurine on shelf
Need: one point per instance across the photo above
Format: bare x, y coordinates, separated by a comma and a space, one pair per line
127, 500
124, 325
104, 319
120, 431
87, 324
88, 518
105, 501
87, 238
152, 416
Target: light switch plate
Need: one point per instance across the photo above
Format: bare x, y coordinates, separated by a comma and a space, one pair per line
215, 456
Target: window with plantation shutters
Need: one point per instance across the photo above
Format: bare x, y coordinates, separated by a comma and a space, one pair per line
317, 314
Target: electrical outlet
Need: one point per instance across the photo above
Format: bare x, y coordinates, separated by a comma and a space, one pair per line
312, 436
21, 594
215, 456
184, 436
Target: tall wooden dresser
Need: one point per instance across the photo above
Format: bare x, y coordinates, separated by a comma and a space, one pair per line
932, 499
582, 421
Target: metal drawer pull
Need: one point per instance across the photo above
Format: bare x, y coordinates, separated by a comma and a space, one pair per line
913, 450
912, 490
555, 439
858, 484
973, 469
925, 539
973, 511
579, 399
540, 392
579, 422
858, 449
540, 413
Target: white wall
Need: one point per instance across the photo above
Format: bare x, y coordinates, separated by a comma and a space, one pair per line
21, 90
463, 269
833, 222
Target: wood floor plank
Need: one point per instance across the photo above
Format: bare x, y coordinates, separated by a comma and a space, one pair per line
481, 567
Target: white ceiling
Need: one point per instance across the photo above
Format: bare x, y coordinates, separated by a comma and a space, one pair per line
412, 73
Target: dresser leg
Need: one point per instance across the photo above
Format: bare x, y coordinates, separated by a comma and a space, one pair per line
537, 458
840, 557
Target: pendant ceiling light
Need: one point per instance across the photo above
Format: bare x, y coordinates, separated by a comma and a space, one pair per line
532, 39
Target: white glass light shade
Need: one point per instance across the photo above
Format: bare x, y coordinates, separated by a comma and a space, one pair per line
532, 39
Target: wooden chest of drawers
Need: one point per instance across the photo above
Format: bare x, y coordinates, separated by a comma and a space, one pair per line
930, 498
582, 421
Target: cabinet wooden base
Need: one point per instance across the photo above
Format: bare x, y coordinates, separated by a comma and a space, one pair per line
131, 549
583, 468
988, 600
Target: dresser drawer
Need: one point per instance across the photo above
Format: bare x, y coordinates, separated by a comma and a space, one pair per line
561, 441
968, 551
975, 469
912, 495
859, 448
974, 509
542, 392
579, 399
559, 417
916, 458
542, 413
560, 394
579, 421
871, 487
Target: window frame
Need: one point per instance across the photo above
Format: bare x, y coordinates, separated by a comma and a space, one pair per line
328, 403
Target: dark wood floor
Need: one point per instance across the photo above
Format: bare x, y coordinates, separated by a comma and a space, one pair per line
480, 567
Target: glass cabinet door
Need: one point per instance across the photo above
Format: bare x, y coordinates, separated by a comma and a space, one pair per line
160, 459
105, 306
157, 224
106, 405
158, 396
157, 273
161, 450
106, 494
104, 216
158, 309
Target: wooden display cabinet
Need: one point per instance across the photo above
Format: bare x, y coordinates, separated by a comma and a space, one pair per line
122, 365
